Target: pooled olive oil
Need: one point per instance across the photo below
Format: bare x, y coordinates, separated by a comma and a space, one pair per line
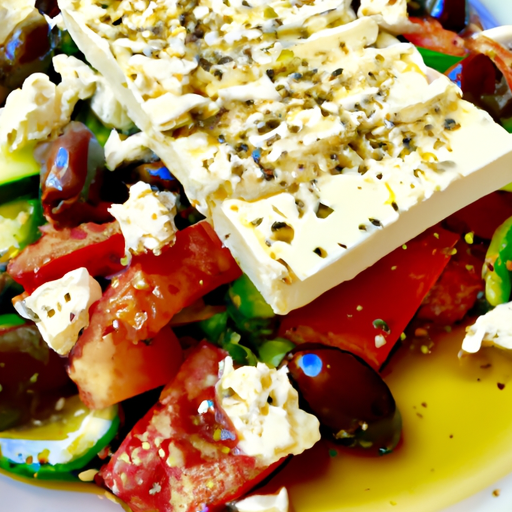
457, 438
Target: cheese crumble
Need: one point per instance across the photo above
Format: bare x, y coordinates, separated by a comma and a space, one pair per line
146, 219
264, 409
494, 329
60, 308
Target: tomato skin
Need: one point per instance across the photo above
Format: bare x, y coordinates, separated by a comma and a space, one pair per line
139, 303
97, 247
391, 290
456, 291
171, 460
483, 216
496, 52
434, 37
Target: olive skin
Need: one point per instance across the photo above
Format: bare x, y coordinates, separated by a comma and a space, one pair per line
349, 398
27, 50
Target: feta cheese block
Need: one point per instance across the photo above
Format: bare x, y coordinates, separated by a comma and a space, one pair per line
494, 329
60, 308
312, 149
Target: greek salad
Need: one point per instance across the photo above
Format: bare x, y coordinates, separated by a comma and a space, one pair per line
221, 219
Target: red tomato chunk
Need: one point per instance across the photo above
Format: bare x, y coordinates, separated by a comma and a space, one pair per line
176, 458
97, 247
135, 307
378, 302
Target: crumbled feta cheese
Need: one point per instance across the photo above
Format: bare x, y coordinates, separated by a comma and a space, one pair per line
131, 149
265, 502
13, 12
32, 113
146, 219
264, 409
41, 109
492, 329
380, 341
60, 308
81, 79
391, 15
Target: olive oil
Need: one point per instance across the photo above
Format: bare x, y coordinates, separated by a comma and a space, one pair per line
457, 438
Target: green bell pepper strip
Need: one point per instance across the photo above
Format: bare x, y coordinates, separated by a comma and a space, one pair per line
438, 61
248, 300
53, 450
19, 223
9, 320
496, 273
272, 352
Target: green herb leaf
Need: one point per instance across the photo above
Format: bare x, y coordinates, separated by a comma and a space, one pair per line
438, 61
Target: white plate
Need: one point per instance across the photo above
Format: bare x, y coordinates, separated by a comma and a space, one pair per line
18, 496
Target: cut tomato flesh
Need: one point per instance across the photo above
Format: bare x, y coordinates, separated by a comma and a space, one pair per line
97, 247
135, 307
182, 455
367, 315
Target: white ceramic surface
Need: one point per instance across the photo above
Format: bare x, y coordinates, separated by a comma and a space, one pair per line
18, 497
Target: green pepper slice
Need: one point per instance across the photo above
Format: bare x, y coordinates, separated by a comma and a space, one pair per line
498, 261
19, 222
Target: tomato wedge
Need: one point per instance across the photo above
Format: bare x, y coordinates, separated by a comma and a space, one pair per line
483, 216
178, 459
97, 247
434, 37
367, 315
134, 308
496, 52
457, 290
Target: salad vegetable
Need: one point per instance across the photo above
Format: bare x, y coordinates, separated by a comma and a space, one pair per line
212, 231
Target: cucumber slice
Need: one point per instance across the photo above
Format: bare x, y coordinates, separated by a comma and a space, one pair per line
19, 172
52, 449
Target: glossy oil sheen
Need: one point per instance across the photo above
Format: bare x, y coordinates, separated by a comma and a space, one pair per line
430, 470
457, 439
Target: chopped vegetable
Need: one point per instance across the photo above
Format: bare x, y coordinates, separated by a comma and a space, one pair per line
182, 455
20, 173
439, 61
391, 290
64, 442
99, 248
498, 261
432, 35
117, 355
19, 222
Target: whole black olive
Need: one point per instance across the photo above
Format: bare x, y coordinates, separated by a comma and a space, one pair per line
48, 7
349, 398
452, 14
28, 49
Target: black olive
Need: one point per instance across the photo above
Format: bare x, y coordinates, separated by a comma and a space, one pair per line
28, 49
349, 398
